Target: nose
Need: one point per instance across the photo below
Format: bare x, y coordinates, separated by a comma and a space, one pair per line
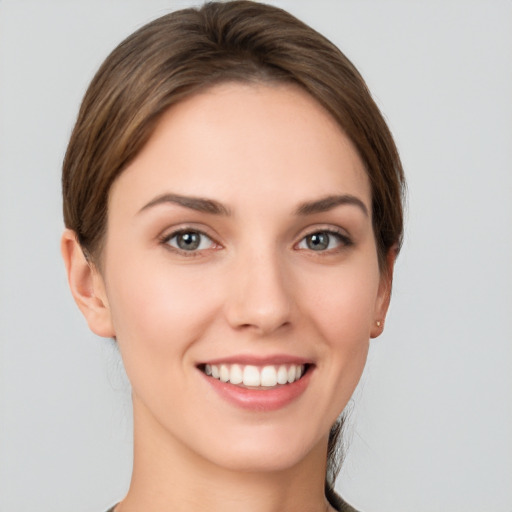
260, 298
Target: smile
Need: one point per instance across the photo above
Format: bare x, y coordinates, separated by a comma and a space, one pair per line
252, 376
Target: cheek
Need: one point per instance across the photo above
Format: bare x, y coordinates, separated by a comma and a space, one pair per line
342, 311
158, 317
344, 303
156, 311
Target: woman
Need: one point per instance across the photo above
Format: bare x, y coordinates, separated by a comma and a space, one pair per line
232, 198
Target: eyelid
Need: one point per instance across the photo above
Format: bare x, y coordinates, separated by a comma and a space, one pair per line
344, 238
170, 233
326, 228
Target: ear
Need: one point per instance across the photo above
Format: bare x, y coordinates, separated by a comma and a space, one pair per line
87, 286
383, 294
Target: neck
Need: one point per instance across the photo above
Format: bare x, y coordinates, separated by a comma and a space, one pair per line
168, 476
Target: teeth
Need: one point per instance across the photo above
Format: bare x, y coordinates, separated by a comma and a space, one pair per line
236, 375
255, 376
251, 376
268, 376
292, 372
282, 375
224, 373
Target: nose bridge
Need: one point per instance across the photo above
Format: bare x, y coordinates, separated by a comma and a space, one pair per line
260, 296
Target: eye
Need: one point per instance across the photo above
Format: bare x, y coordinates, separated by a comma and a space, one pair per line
189, 241
324, 241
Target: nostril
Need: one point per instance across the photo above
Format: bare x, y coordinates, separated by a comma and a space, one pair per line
259, 300
262, 326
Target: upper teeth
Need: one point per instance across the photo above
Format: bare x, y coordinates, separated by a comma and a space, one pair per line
249, 375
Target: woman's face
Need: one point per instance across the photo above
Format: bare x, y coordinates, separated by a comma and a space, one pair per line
240, 243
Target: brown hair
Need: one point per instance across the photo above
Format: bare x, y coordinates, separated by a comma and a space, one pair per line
187, 51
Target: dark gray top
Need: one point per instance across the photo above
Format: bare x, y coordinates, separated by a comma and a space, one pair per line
336, 501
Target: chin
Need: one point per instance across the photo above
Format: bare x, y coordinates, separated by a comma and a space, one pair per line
267, 452
258, 462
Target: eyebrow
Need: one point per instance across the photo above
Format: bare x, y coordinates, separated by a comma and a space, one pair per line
328, 203
215, 208
194, 203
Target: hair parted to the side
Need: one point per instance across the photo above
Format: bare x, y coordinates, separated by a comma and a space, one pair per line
187, 51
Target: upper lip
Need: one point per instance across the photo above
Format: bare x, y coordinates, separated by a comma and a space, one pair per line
255, 360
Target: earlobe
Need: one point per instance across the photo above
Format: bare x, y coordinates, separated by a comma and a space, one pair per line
384, 294
87, 286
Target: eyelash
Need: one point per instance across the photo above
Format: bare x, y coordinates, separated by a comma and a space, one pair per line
164, 240
343, 240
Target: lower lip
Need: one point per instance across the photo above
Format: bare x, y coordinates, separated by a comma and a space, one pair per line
261, 399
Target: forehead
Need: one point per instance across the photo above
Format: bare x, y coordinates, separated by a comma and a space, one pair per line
234, 139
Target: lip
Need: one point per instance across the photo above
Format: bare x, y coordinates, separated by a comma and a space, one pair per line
258, 360
260, 399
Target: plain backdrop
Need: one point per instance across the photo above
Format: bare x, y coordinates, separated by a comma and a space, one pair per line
432, 419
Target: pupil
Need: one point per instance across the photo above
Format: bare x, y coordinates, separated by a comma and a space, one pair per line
188, 241
318, 241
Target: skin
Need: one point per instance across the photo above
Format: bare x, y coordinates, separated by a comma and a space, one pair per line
253, 287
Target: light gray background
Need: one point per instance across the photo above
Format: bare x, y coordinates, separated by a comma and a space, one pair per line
432, 419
